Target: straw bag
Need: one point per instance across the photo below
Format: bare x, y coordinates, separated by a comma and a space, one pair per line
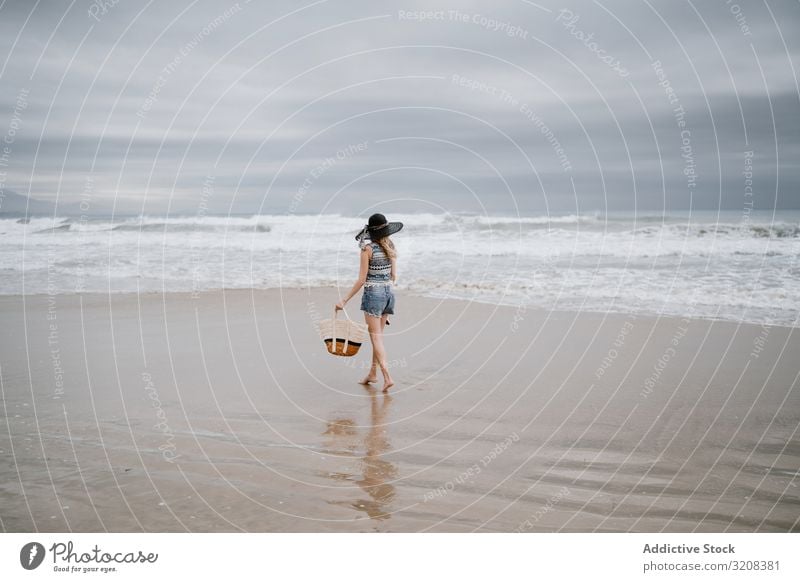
342, 337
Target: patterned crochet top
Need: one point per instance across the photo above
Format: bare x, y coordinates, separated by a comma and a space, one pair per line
380, 266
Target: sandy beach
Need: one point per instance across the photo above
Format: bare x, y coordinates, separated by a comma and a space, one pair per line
223, 412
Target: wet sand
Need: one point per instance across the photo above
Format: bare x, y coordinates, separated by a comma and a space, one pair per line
223, 412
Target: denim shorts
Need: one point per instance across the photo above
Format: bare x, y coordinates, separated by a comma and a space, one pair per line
378, 300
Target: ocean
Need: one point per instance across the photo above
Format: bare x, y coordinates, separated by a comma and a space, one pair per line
727, 265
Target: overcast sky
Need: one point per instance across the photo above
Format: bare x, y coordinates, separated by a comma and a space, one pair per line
480, 106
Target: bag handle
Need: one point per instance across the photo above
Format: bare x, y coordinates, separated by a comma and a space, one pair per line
346, 337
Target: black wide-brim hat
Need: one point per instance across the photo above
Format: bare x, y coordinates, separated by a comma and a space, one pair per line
378, 227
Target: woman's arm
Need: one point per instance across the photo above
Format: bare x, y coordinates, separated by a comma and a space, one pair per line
394, 270
366, 254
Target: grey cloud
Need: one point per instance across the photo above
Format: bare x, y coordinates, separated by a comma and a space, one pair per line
151, 103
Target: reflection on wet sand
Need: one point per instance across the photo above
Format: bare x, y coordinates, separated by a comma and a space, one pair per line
377, 473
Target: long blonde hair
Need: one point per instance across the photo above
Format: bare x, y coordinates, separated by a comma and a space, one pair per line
388, 246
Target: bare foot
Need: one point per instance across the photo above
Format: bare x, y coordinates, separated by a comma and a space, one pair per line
368, 379
387, 385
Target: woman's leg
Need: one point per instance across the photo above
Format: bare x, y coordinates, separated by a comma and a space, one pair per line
372, 375
375, 326
389, 308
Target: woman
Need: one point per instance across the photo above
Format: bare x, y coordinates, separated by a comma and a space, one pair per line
377, 275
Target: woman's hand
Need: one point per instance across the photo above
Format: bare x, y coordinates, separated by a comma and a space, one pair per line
340, 306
